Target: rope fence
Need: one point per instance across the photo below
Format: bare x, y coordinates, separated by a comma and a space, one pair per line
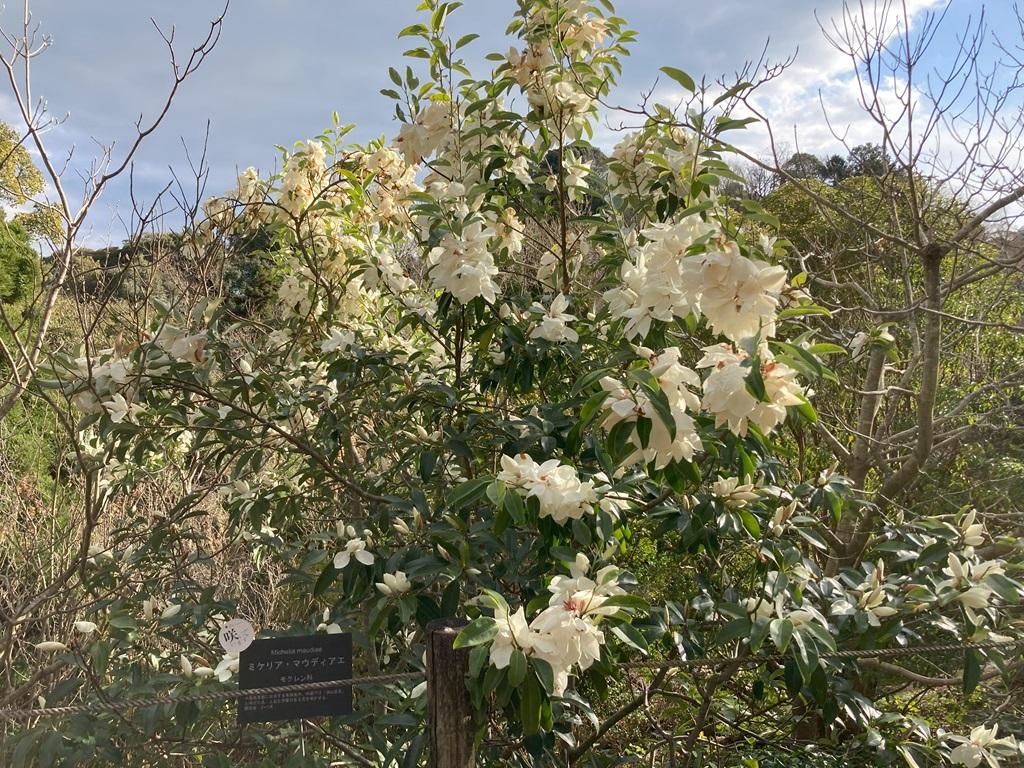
847, 655
706, 663
142, 702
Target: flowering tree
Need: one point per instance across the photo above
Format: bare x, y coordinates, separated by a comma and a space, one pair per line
500, 369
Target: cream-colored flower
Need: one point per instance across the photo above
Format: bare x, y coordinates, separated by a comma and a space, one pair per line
733, 493
50, 646
354, 548
983, 745
394, 584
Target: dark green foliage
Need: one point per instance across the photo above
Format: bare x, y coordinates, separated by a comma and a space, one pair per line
19, 263
804, 165
249, 280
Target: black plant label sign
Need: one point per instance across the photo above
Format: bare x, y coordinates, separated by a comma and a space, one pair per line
281, 661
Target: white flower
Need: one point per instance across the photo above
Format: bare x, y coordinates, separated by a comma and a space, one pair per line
588, 594
419, 139
337, 340
565, 637
513, 633
248, 185
186, 666
509, 230
170, 611
50, 646
626, 404
528, 64
180, 345
120, 409
734, 494
870, 599
462, 264
968, 579
85, 627
553, 325
981, 745
354, 548
656, 282
565, 634
556, 486
739, 296
547, 266
973, 533
726, 395
759, 608
781, 517
394, 584
227, 666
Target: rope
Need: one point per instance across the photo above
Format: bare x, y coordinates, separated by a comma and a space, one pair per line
855, 653
152, 701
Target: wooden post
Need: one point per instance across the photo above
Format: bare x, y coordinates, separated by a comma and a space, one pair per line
451, 712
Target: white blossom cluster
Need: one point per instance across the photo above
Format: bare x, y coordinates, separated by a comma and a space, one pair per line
632, 170
463, 265
110, 381
421, 137
627, 404
554, 321
562, 495
554, 94
967, 583
870, 598
728, 398
737, 295
566, 634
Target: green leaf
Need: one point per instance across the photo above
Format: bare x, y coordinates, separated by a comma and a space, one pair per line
545, 674
479, 631
517, 668
413, 29
734, 630
450, 598
781, 631
468, 492
496, 600
515, 507
807, 654
1006, 588
643, 430
972, 671
823, 349
810, 309
630, 635
750, 522
735, 90
529, 705
660, 402
324, 580
680, 77
592, 406
630, 602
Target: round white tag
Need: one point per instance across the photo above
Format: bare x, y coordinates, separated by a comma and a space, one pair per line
236, 635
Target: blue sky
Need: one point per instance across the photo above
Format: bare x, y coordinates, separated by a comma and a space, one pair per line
282, 67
